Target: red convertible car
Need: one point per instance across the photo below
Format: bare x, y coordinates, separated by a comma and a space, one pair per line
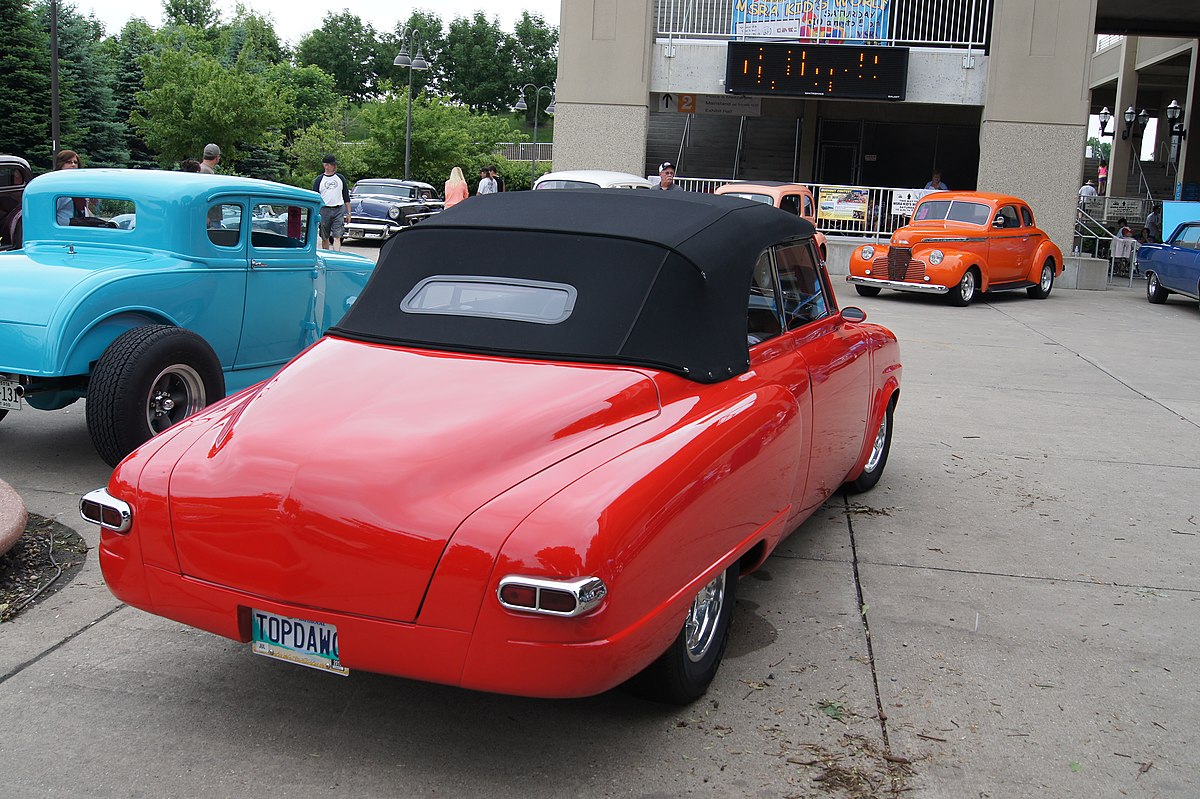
534, 458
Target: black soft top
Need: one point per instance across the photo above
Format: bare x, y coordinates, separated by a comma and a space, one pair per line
662, 279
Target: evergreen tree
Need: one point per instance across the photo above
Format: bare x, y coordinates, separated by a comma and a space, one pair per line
24, 85
135, 41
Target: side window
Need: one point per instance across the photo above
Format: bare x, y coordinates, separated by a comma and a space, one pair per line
1026, 217
790, 203
808, 207
1009, 215
763, 315
275, 225
224, 224
804, 297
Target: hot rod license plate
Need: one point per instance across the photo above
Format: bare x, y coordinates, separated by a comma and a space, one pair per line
308, 643
10, 400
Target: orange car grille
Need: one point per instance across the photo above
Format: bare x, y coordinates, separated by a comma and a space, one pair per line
900, 265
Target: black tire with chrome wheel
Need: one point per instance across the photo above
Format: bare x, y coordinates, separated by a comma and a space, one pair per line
1042, 290
148, 379
682, 674
964, 291
1155, 293
877, 459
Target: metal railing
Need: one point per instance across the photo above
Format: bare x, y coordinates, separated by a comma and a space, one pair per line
861, 211
917, 23
1108, 40
525, 150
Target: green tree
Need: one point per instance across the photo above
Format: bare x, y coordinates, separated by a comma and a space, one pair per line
478, 64
321, 138
345, 48
1099, 149
190, 99
444, 135
89, 116
24, 84
313, 92
135, 41
196, 13
536, 54
250, 39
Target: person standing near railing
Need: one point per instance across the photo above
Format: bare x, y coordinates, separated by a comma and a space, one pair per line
666, 177
1154, 223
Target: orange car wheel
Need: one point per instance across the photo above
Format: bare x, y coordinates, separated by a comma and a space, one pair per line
962, 294
1045, 283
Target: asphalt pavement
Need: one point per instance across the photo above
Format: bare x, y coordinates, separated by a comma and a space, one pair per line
1012, 612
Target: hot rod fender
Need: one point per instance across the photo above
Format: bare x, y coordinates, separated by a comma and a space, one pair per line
1047, 250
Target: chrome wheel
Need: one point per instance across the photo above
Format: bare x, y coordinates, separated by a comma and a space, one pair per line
966, 287
175, 394
700, 628
879, 447
1047, 278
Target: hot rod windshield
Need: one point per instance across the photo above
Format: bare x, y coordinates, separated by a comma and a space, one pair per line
404, 192
953, 211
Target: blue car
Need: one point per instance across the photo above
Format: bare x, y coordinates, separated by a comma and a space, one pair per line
1174, 267
153, 294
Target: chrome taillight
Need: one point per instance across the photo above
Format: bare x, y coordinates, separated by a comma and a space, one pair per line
102, 508
551, 597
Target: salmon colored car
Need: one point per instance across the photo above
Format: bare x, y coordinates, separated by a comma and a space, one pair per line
795, 198
960, 243
539, 472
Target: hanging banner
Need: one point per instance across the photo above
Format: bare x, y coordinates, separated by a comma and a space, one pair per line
834, 21
842, 203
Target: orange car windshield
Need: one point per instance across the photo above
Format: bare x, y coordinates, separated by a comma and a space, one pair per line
953, 211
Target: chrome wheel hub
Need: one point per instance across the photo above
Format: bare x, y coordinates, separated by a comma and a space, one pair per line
967, 286
700, 628
877, 448
1047, 277
175, 394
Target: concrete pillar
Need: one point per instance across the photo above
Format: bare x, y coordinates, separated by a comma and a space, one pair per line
1189, 167
1119, 179
602, 112
1034, 122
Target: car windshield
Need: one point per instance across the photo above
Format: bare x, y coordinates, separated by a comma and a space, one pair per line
765, 199
953, 211
405, 192
567, 184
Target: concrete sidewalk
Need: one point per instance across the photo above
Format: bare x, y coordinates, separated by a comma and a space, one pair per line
1013, 609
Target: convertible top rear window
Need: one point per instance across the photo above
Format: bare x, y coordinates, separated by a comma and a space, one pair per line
492, 297
567, 184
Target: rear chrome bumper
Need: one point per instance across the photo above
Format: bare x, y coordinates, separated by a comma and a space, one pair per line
898, 285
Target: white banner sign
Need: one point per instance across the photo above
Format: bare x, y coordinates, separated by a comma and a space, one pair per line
905, 200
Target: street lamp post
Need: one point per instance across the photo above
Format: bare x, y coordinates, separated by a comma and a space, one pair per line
410, 40
522, 106
1174, 112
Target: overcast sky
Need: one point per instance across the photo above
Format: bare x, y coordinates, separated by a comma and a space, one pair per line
294, 18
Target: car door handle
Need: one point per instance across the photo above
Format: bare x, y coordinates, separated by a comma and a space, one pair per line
256, 264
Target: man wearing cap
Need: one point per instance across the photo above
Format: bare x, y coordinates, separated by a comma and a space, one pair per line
666, 175
335, 204
212, 157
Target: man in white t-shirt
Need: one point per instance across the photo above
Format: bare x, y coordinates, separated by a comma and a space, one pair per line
487, 183
1088, 189
335, 204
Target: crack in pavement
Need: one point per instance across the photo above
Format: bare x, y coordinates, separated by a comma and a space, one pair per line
20, 667
887, 744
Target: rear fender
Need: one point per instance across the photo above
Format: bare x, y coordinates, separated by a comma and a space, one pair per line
92, 340
1046, 251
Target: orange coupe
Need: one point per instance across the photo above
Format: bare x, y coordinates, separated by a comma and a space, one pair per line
960, 243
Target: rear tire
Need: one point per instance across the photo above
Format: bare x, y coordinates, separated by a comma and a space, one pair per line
148, 379
1155, 293
877, 459
868, 291
1042, 290
683, 673
962, 294
3, 414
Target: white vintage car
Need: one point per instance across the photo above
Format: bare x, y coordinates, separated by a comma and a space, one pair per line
591, 179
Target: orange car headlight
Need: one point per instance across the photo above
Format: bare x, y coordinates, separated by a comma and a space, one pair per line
868, 252
936, 256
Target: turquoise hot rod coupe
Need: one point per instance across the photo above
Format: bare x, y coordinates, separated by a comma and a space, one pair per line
153, 294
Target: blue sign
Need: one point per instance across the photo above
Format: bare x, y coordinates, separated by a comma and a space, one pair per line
832, 21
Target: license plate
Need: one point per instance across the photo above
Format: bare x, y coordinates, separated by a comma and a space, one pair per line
307, 643
9, 399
